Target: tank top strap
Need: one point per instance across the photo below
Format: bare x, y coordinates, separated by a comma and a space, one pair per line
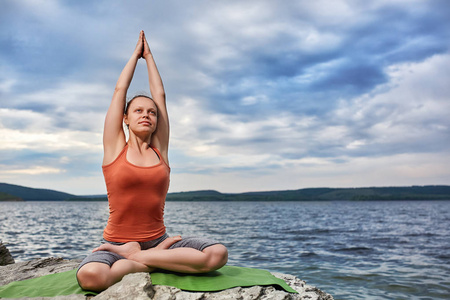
159, 156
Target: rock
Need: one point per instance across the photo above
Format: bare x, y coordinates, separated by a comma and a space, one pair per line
138, 285
70, 297
307, 291
35, 268
5, 256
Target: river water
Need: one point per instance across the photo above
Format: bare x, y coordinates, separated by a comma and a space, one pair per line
352, 250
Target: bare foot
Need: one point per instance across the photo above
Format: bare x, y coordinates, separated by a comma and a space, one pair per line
126, 250
168, 242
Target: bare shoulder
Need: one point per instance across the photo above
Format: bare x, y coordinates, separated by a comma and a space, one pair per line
162, 150
111, 152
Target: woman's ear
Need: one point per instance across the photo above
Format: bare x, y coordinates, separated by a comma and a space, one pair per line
125, 120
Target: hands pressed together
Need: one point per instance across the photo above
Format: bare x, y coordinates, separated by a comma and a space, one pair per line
142, 48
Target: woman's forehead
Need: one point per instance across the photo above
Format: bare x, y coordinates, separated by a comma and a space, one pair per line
143, 101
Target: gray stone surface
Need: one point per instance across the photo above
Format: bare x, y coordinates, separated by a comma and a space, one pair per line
5, 256
35, 268
138, 285
70, 297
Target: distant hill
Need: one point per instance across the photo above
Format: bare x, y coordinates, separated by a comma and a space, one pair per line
428, 192
31, 194
8, 197
208, 195
431, 192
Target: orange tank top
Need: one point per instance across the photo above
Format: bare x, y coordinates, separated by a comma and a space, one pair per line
136, 197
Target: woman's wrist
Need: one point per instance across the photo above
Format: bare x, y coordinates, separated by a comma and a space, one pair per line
136, 56
148, 55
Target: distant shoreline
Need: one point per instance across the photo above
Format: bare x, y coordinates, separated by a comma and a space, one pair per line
9, 192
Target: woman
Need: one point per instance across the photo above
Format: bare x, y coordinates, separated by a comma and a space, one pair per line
137, 179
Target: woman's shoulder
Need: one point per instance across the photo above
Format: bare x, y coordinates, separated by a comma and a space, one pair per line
112, 155
161, 155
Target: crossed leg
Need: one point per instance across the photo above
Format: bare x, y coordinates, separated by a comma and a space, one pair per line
95, 276
99, 276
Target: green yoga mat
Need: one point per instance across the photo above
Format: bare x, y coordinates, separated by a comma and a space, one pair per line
59, 284
65, 283
222, 279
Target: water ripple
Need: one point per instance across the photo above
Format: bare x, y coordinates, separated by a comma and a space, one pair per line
353, 250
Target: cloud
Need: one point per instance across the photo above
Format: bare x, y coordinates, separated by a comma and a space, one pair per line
342, 56
37, 170
406, 115
396, 170
260, 95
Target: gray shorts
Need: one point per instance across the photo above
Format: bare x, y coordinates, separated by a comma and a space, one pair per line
110, 258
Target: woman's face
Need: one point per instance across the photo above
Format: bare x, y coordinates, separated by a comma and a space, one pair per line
142, 115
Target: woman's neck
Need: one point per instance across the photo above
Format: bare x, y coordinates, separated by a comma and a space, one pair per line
139, 143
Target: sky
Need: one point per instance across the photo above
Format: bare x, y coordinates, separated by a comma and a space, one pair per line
262, 95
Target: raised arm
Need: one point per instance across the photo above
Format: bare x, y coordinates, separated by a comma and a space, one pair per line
160, 138
113, 135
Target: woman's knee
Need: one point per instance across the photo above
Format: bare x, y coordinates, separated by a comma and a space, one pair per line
93, 277
217, 257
